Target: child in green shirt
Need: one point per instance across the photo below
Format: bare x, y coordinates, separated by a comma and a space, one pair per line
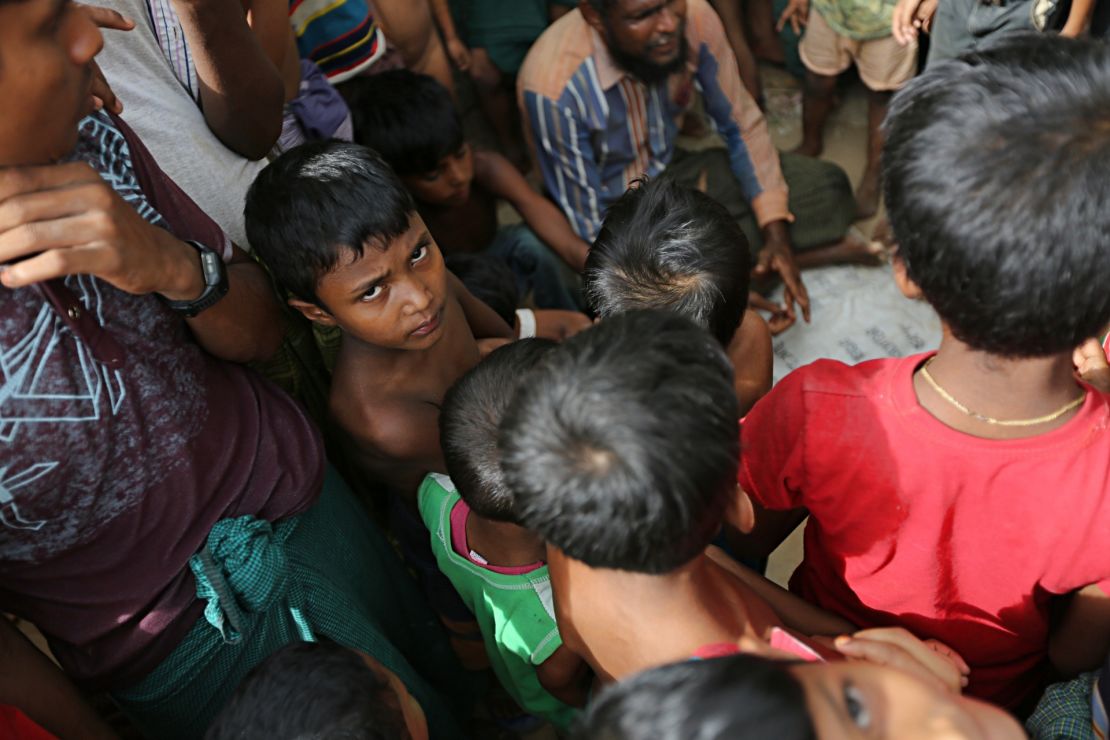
498, 567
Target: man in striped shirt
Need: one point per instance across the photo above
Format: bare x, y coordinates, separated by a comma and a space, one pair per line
604, 91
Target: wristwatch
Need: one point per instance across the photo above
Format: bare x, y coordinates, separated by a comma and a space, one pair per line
215, 282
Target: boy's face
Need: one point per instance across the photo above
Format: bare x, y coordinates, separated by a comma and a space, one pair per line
849, 699
46, 53
392, 298
448, 184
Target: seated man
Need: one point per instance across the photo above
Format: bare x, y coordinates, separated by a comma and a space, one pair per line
142, 465
604, 91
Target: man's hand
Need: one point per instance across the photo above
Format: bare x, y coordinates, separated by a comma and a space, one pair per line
459, 54
65, 219
897, 648
102, 94
910, 17
796, 14
778, 257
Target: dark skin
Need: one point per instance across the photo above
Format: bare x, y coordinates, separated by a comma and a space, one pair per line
409, 331
649, 30
564, 675
665, 618
241, 89
458, 201
752, 359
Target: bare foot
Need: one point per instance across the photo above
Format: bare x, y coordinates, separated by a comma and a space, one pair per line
853, 249
867, 196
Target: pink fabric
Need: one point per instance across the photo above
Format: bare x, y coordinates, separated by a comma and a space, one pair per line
954, 537
459, 514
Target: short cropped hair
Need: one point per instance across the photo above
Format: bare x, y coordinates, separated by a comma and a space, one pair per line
318, 200
406, 117
469, 421
664, 245
311, 690
736, 697
488, 279
622, 449
995, 169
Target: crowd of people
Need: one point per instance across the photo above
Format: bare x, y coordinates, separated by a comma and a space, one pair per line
303, 438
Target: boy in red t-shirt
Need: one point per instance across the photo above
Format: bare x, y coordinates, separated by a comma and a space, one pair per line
961, 493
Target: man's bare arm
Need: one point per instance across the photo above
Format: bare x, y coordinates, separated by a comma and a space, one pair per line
64, 220
499, 176
241, 91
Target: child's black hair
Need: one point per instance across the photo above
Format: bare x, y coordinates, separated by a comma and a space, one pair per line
317, 201
622, 448
996, 184
469, 421
664, 245
311, 689
731, 698
406, 117
489, 280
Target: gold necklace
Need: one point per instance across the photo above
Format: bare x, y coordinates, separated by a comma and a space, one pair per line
996, 422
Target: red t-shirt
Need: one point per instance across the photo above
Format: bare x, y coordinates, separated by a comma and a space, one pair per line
954, 537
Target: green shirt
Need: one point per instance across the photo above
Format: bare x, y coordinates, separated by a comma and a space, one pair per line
857, 19
514, 612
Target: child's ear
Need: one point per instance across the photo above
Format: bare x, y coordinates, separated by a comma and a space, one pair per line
903, 281
312, 312
741, 513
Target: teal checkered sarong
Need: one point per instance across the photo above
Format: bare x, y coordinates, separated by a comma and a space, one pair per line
1064, 712
327, 573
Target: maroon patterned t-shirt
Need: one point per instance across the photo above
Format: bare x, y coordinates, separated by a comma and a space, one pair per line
110, 478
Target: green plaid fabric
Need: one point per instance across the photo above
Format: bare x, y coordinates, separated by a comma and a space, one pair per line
1064, 712
328, 573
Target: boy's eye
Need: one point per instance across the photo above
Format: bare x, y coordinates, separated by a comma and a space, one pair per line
419, 253
854, 703
372, 293
430, 176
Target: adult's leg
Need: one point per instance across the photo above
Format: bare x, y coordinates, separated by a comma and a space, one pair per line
820, 198
732, 15
950, 35
818, 98
329, 572
867, 194
537, 268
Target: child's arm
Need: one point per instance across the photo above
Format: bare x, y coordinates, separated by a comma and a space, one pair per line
565, 676
796, 614
456, 49
1079, 17
752, 360
498, 175
1082, 639
484, 321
